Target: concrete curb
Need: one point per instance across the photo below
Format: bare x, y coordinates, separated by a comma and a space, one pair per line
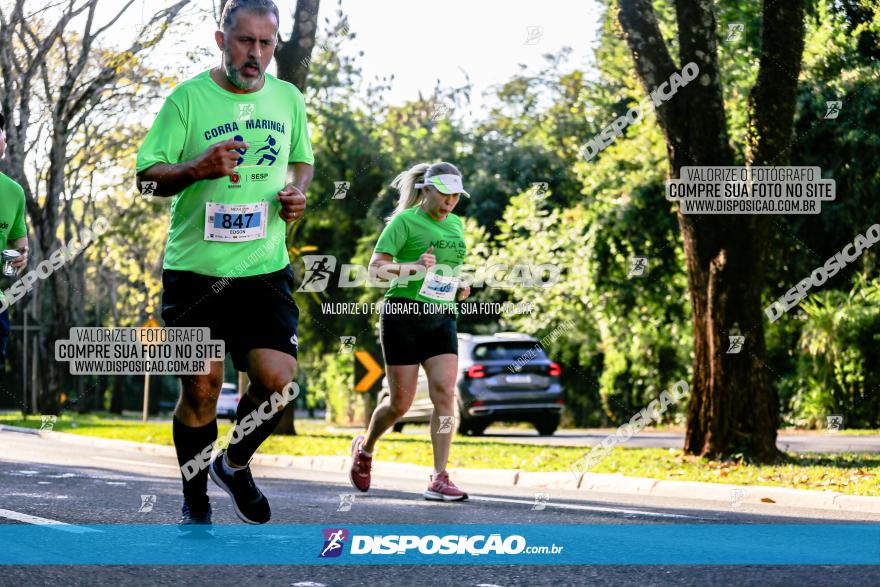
588, 482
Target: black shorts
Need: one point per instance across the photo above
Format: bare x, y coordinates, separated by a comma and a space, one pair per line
256, 312
411, 332
4, 336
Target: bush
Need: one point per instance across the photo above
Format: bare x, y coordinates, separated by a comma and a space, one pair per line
332, 379
840, 350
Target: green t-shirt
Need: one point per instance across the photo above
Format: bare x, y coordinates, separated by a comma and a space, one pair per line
12, 225
245, 234
411, 233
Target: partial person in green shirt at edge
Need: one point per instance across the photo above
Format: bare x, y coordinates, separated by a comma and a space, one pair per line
417, 325
13, 235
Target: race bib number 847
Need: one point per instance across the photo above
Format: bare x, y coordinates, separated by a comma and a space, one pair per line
235, 222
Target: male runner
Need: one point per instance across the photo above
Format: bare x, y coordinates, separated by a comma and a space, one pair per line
225, 144
13, 235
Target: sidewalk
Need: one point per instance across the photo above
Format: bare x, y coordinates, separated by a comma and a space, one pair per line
587, 482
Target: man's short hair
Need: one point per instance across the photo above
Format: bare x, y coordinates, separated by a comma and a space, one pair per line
227, 18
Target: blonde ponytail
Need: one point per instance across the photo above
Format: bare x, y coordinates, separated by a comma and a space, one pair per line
405, 184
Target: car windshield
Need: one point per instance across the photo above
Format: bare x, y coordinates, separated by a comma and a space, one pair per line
228, 390
513, 350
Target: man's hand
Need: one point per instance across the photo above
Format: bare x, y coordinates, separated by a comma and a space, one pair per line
219, 160
293, 203
464, 292
21, 262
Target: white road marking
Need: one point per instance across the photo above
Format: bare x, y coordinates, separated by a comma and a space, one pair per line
139, 463
38, 521
590, 508
38, 496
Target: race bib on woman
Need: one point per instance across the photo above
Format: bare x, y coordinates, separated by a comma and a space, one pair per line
439, 287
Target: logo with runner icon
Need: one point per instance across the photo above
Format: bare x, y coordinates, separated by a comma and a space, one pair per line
319, 269
334, 540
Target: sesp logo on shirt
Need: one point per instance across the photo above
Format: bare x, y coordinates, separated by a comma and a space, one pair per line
334, 540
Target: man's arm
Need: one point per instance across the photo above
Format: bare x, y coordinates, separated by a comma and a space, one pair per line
170, 180
293, 196
21, 245
300, 175
217, 161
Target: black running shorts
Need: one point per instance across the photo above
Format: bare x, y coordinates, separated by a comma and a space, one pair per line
256, 312
5, 328
411, 332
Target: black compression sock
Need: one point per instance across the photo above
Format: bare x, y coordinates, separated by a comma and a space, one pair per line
242, 451
189, 442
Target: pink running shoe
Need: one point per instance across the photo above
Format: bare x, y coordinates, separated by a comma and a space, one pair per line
442, 489
361, 464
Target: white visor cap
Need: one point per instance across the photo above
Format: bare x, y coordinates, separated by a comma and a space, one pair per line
447, 183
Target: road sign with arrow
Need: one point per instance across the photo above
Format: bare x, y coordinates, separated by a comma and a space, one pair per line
367, 371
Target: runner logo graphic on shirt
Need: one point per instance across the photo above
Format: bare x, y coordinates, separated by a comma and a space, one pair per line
240, 152
268, 153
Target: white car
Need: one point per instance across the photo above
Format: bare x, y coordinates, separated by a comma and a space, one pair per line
227, 403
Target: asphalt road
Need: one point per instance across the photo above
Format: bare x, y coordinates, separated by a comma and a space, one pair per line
88, 485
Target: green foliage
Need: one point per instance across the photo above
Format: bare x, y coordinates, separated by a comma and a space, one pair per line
840, 352
630, 335
333, 381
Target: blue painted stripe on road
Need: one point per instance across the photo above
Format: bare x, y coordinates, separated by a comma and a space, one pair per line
642, 544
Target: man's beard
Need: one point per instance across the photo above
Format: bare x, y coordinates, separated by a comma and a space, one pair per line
234, 76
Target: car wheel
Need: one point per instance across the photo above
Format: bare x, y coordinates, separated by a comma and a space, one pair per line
398, 426
464, 424
478, 429
547, 425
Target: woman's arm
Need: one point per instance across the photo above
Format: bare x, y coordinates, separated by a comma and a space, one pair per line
386, 262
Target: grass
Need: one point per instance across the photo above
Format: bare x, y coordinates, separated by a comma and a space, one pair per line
855, 474
851, 473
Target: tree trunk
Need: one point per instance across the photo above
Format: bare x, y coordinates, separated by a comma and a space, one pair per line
733, 409
294, 55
